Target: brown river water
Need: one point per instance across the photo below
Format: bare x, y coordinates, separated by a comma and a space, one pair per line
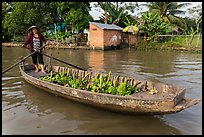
27, 110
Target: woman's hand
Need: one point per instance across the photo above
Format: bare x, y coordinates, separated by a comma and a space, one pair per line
30, 47
22, 45
47, 42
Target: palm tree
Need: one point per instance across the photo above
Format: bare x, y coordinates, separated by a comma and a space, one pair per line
105, 6
115, 14
169, 11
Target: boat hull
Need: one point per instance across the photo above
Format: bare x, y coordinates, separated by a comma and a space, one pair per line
117, 103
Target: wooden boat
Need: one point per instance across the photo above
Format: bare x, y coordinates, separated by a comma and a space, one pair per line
169, 99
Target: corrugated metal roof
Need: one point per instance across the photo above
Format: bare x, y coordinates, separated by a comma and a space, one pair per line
107, 26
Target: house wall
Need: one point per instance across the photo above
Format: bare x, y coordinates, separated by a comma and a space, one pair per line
107, 39
112, 38
95, 37
129, 39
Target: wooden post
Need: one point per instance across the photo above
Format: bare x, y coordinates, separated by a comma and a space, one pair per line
129, 40
56, 34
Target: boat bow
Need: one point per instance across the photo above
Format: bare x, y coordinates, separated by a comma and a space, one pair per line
186, 103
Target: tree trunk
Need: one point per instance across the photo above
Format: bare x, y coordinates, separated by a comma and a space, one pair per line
106, 17
116, 6
187, 40
190, 43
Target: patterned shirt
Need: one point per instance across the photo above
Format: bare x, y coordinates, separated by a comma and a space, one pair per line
36, 43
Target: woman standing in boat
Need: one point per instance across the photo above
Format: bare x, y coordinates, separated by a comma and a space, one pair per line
35, 40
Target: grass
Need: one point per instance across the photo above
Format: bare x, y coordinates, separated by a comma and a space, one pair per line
175, 43
182, 41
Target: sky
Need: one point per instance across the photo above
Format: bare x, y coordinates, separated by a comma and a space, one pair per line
96, 14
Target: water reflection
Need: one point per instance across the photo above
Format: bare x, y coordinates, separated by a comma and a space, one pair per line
156, 62
96, 61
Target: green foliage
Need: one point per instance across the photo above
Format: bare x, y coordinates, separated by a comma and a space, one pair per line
129, 20
153, 25
101, 83
22, 15
78, 15
117, 14
168, 11
6, 8
177, 42
125, 89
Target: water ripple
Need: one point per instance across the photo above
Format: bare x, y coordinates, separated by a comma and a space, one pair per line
9, 78
13, 87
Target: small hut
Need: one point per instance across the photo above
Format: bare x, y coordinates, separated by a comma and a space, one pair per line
104, 36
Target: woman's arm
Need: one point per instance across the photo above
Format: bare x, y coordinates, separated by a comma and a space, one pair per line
28, 40
43, 38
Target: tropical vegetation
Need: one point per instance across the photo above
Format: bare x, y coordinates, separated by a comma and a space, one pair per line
168, 11
117, 12
22, 15
161, 18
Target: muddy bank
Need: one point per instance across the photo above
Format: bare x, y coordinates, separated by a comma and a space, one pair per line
60, 46
73, 46
10, 44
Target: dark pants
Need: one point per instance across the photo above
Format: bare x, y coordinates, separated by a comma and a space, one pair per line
37, 58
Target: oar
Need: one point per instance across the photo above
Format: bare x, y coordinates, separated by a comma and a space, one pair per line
21, 60
61, 61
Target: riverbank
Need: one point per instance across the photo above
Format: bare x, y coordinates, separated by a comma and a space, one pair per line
51, 46
140, 46
170, 45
